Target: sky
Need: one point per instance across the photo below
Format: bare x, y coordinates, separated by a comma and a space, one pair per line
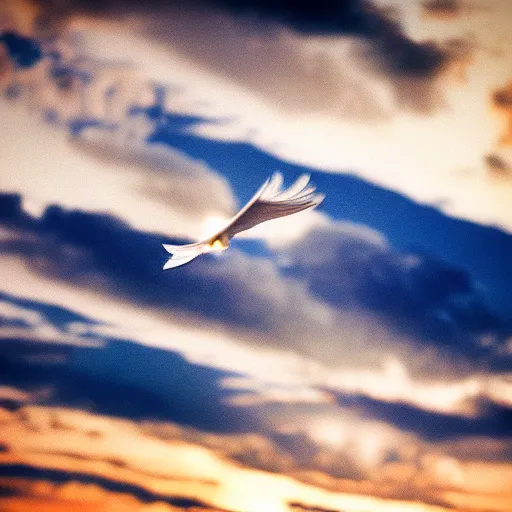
356, 357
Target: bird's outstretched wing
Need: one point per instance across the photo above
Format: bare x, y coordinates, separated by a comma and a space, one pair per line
270, 202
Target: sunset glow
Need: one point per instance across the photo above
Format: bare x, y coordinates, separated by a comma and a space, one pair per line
354, 357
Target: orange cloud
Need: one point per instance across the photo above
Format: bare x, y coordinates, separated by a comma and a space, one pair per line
135, 466
502, 101
74, 496
19, 15
5, 66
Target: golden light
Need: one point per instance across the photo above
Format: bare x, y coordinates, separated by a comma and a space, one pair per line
218, 246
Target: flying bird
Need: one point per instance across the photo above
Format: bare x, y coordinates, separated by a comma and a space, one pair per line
269, 202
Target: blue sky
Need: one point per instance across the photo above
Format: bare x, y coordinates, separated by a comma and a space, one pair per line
353, 356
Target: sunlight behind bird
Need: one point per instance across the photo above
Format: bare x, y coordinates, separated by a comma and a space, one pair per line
212, 224
218, 246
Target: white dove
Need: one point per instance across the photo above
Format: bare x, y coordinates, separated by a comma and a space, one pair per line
270, 202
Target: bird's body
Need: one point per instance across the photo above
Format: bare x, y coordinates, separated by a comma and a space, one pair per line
270, 202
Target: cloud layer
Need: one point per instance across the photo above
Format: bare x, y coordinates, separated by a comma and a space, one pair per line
364, 349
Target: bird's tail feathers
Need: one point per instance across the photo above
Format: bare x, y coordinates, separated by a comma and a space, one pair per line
181, 254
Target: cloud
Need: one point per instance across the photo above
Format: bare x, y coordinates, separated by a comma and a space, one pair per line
481, 448
255, 450
12, 314
112, 171
237, 290
171, 399
25, 52
395, 150
33, 312
302, 507
396, 52
11, 399
261, 60
443, 9
491, 419
349, 296
272, 330
161, 192
112, 152
449, 177
497, 164
354, 272
68, 445
106, 451
167, 176
418, 295
502, 100
58, 490
208, 398
161, 385
32, 330
271, 41
151, 383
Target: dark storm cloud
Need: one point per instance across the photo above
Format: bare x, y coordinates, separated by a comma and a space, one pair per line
23, 51
243, 41
492, 419
415, 293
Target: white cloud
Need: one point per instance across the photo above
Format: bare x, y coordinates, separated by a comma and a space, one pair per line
11, 311
394, 384
138, 183
38, 329
436, 159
